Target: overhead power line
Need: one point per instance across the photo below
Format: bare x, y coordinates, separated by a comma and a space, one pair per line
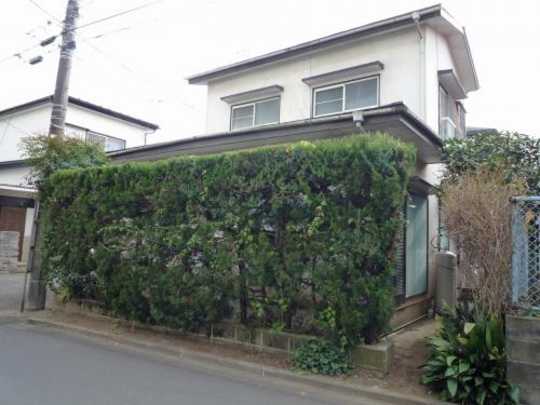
19, 53
44, 11
121, 13
57, 20
138, 76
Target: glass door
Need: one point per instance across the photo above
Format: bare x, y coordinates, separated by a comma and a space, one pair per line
417, 246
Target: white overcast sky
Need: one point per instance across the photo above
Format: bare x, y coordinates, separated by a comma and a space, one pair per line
137, 63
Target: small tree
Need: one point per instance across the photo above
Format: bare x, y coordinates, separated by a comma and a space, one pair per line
478, 211
47, 155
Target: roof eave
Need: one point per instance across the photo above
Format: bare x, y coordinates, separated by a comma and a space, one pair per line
83, 104
381, 26
375, 119
471, 61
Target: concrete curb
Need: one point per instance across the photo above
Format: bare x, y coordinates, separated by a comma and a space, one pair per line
211, 360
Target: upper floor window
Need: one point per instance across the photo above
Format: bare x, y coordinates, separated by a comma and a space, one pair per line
255, 114
451, 116
354, 95
462, 124
109, 143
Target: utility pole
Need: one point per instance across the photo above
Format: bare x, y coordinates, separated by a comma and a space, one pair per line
37, 289
61, 93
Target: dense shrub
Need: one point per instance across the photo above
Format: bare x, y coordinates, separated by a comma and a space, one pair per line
467, 364
321, 357
269, 233
518, 154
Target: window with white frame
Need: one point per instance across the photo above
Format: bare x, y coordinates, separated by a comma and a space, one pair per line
255, 114
354, 95
108, 143
448, 115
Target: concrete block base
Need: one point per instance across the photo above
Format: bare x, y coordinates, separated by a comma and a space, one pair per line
523, 348
376, 357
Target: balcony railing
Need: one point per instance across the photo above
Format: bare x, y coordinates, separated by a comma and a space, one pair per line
447, 128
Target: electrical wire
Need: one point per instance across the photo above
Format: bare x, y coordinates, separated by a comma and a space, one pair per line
140, 78
121, 13
110, 17
44, 11
19, 54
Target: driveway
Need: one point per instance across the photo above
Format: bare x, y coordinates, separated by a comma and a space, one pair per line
40, 365
11, 288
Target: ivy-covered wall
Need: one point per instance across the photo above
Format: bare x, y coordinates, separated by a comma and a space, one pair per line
299, 237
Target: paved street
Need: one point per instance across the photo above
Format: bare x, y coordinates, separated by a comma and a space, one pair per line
44, 366
11, 287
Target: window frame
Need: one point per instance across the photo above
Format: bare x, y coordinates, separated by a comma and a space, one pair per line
462, 119
427, 235
343, 85
89, 132
254, 105
448, 117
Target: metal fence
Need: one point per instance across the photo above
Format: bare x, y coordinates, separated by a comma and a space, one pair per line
526, 253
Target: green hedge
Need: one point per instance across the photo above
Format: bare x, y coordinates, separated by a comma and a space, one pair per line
298, 237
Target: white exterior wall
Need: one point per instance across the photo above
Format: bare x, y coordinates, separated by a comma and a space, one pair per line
410, 75
82, 117
36, 121
437, 57
14, 176
20, 125
399, 80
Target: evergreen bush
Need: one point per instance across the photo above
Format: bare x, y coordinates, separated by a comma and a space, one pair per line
263, 235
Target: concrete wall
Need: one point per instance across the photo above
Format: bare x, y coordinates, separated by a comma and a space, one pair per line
9, 250
523, 349
29, 224
410, 75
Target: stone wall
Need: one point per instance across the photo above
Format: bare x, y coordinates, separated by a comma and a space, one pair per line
523, 347
9, 250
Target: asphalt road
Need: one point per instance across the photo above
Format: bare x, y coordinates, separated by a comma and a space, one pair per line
11, 287
45, 366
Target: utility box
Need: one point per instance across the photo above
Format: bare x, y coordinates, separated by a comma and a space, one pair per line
446, 286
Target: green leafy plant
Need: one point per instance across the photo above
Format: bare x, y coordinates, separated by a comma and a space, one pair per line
321, 357
46, 155
519, 154
271, 234
467, 364
454, 320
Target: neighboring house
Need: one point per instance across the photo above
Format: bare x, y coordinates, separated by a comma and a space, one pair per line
84, 120
407, 75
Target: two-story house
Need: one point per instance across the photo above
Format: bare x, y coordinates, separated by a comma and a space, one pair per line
86, 121
406, 76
